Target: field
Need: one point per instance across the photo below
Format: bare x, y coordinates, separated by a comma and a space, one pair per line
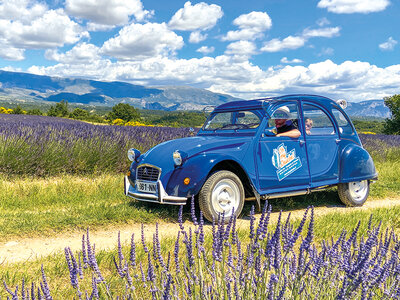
60, 175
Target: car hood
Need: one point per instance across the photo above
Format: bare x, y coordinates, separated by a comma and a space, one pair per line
161, 155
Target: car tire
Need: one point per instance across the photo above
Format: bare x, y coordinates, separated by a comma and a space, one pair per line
354, 193
221, 192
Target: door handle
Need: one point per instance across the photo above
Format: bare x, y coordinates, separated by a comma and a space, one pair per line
302, 142
337, 141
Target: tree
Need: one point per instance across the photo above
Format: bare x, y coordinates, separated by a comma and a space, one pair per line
79, 114
59, 110
124, 112
18, 110
392, 125
34, 111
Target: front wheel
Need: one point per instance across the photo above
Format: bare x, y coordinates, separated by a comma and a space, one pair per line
354, 193
222, 192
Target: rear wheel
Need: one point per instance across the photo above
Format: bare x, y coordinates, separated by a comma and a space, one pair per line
222, 192
354, 193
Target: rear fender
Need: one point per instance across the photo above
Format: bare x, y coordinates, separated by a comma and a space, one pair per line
356, 164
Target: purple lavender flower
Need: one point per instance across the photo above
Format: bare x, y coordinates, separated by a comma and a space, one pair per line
180, 218
72, 267
167, 288
176, 254
45, 287
252, 219
193, 211
306, 244
132, 252
146, 250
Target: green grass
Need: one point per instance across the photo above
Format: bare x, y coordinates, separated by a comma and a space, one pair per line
31, 206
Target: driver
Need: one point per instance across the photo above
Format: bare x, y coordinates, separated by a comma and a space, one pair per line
285, 126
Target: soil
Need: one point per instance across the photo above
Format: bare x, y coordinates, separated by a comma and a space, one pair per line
24, 249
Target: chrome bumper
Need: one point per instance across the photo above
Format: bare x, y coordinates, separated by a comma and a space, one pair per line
161, 197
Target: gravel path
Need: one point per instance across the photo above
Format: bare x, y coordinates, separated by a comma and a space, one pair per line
23, 249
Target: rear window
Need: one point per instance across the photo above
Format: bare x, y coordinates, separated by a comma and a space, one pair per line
232, 120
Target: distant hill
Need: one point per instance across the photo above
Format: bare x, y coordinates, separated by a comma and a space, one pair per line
29, 87
368, 108
25, 87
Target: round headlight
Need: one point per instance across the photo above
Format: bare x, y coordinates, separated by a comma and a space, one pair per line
177, 158
133, 154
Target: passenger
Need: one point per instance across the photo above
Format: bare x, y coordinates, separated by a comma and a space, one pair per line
308, 124
284, 126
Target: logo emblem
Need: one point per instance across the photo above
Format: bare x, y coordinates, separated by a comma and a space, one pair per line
285, 162
145, 171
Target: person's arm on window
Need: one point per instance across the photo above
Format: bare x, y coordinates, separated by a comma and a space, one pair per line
294, 133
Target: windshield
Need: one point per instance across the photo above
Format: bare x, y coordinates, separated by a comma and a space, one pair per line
233, 120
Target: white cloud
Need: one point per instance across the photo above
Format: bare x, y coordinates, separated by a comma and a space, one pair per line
197, 37
252, 26
8, 52
327, 32
291, 42
353, 6
323, 22
22, 10
107, 12
350, 80
326, 51
388, 45
241, 48
285, 60
81, 53
200, 16
205, 49
139, 41
295, 42
52, 29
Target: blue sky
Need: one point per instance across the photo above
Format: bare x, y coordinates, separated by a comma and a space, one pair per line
337, 48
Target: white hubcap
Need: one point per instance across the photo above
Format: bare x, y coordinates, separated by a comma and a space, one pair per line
358, 189
225, 197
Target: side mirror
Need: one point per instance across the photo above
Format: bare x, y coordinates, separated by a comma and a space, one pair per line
270, 131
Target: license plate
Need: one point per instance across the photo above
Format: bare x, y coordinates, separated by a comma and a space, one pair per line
146, 187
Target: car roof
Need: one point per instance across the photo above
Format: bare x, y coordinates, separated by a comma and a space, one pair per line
262, 102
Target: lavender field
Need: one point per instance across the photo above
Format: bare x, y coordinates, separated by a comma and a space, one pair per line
267, 262
38, 145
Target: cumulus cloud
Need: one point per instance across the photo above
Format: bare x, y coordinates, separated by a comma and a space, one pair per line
22, 10
53, 29
353, 6
285, 60
200, 16
288, 43
241, 48
353, 80
8, 52
197, 37
251, 25
388, 45
138, 41
81, 53
205, 49
295, 42
323, 22
107, 12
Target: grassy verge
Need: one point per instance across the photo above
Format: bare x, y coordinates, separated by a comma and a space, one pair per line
31, 206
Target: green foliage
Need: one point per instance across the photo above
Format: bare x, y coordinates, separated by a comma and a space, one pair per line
179, 119
392, 125
368, 126
18, 110
79, 114
124, 112
59, 110
34, 111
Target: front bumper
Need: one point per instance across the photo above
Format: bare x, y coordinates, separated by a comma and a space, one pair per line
160, 197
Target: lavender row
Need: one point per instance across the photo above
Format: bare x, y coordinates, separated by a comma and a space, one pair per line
279, 263
41, 145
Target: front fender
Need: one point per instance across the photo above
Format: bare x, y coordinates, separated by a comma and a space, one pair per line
356, 164
196, 168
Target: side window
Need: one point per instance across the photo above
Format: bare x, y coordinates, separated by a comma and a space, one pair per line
344, 125
247, 118
317, 121
285, 119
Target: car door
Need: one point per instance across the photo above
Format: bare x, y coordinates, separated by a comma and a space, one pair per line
322, 145
281, 161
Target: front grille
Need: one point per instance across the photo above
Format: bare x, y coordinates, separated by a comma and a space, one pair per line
148, 173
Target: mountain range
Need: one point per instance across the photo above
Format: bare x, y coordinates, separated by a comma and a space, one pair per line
25, 87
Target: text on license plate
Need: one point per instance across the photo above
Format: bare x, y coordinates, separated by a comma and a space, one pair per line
147, 187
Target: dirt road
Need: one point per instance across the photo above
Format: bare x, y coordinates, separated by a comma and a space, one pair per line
23, 249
